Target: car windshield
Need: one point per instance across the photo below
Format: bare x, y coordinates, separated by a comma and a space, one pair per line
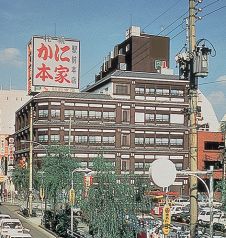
12, 225
4, 217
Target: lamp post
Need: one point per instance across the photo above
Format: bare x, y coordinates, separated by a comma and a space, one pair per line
31, 170
78, 170
209, 190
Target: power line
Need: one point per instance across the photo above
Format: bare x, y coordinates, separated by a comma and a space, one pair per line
212, 82
210, 4
161, 14
172, 23
143, 29
218, 9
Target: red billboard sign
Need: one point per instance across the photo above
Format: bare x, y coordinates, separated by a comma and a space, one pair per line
53, 63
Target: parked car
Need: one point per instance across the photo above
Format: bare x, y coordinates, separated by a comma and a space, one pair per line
181, 202
176, 209
4, 216
204, 216
11, 225
16, 235
183, 217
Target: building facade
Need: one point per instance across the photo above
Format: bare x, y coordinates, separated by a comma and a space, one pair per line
210, 146
139, 52
131, 118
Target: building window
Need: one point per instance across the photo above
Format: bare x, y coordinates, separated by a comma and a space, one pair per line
81, 114
162, 141
127, 47
125, 115
43, 138
162, 118
68, 113
121, 89
179, 166
139, 141
150, 91
81, 139
94, 139
55, 113
139, 90
162, 91
94, 114
150, 141
147, 165
212, 145
176, 141
139, 165
124, 165
176, 92
122, 66
109, 115
54, 138
125, 140
43, 113
150, 117
108, 139
66, 138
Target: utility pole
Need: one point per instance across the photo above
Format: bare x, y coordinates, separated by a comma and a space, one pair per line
193, 125
31, 162
193, 64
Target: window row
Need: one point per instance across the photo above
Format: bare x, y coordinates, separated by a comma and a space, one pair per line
146, 165
79, 139
78, 114
158, 141
159, 91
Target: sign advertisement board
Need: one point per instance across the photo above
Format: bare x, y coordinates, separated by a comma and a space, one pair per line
166, 219
53, 64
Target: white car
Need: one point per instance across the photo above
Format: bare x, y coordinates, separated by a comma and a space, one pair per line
176, 209
204, 215
16, 235
181, 202
10, 225
4, 216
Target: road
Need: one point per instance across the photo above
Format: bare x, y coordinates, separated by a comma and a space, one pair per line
35, 230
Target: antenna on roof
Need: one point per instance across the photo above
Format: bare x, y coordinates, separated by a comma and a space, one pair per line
131, 19
10, 84
55, 29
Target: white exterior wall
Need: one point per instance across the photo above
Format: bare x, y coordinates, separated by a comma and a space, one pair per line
10, 102
106, 89
208, 114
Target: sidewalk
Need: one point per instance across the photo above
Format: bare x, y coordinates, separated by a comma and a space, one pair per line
31, 223
36, 221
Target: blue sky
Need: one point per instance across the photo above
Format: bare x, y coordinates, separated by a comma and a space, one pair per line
100, 25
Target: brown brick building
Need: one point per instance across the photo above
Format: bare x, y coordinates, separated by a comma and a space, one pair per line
132, 118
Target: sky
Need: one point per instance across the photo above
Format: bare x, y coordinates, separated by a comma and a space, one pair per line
100, 25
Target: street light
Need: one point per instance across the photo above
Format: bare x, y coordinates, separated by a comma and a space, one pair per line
78, 170
209, 191
31, 170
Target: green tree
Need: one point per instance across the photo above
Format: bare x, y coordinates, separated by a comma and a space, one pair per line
20, 179
57, 167
111, 206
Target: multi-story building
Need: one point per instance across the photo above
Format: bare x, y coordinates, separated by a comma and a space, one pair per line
131, 118
210, 153
140, 52
10, 101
